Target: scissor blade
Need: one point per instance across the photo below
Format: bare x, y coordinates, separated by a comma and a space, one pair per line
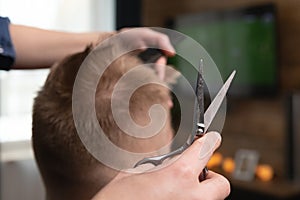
200, 93
208, 117
213, 108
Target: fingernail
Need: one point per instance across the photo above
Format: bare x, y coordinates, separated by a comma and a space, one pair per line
211, 139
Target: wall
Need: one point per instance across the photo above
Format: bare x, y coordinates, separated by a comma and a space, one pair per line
156, 13
251, 123
21, 180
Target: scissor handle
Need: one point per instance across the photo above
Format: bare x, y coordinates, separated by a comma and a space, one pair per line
157, 160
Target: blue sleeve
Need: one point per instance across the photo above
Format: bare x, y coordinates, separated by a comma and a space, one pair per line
7, 51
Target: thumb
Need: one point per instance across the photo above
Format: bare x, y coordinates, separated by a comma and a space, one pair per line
160, 67
198, 154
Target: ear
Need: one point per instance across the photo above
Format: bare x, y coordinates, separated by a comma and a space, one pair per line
171, 75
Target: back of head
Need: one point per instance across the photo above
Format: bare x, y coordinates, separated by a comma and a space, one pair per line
68, 170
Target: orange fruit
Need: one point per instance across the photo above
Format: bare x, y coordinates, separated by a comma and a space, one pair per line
264, 172
228, 165
215, 160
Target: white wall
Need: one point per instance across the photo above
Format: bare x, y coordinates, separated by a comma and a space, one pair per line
69, 15
18, 88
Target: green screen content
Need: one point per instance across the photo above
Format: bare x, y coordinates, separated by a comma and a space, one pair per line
241, 40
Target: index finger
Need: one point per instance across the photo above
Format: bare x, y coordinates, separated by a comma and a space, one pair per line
215, 186
163, 43
166, 46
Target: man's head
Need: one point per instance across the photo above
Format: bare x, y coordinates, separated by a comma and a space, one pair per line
69, 171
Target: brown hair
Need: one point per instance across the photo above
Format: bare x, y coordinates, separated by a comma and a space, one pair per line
68, 170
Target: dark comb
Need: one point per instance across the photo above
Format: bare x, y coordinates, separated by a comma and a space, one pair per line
150, 55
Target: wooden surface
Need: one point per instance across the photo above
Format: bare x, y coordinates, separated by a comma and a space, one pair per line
158, 12
275, 190
258, 124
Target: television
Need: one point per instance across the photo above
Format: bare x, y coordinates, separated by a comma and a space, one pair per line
243, 39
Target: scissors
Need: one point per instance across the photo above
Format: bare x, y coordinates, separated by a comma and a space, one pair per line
203, 120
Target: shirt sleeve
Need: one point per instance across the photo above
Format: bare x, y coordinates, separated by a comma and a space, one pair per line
7, 51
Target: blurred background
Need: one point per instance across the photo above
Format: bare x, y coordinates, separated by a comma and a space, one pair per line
260, 153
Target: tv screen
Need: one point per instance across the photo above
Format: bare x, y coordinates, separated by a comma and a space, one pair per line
241, 39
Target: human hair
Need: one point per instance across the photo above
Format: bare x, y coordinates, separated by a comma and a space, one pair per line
68, 169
